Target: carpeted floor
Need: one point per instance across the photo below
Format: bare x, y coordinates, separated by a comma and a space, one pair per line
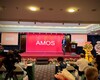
44, 72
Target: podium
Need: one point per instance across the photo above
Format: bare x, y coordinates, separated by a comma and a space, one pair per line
73, 47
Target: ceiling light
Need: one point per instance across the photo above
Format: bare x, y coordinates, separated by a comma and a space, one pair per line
33, 8
71, 10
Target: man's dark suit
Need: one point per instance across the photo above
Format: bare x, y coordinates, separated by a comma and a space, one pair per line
64, 42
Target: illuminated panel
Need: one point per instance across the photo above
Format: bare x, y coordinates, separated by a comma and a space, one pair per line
44, 43
79, 38
9, 39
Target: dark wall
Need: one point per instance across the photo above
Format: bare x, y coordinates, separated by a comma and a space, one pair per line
23, 42
93, 39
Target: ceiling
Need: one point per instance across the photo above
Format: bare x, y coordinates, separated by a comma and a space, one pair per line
51, 13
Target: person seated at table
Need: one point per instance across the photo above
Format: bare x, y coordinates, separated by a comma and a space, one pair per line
61, 64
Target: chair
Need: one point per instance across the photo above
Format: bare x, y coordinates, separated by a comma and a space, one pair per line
2, 69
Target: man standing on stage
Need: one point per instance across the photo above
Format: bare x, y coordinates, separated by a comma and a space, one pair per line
64, 42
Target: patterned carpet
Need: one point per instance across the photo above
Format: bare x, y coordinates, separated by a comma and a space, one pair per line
44, 72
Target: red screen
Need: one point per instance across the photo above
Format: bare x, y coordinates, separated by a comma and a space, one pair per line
44, 42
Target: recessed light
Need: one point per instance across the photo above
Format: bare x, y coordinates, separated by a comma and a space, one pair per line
33, 8
72, 10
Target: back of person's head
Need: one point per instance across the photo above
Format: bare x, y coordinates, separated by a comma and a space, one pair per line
82, 55
10, 52
60, 59
91, 73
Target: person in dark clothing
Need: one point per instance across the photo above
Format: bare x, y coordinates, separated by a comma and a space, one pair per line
9, 61
98, 61
2, 53
61, 64
17, 55
64, 42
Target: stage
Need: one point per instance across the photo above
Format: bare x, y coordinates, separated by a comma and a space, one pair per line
48, 55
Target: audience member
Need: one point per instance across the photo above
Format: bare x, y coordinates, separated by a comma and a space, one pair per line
82, 64
98, 61
61, 64
64, 75
2, 53
9, 61
17, 55
91, 73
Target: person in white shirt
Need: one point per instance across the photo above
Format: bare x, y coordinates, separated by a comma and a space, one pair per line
82, 64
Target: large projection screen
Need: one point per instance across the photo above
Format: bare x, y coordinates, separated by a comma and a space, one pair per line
44, 43
80, 39
9, 38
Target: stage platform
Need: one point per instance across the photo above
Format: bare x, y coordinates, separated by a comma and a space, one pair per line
48, 55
